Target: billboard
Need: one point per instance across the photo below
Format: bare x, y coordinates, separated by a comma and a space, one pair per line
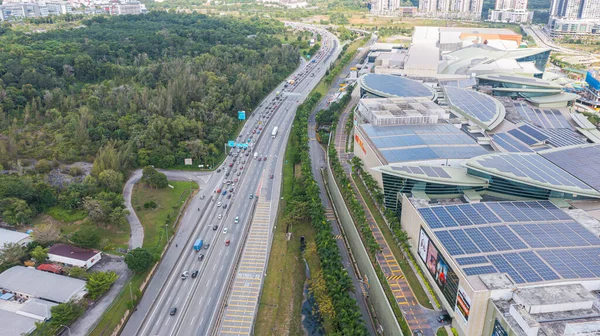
463, 305
423, 244
438, 268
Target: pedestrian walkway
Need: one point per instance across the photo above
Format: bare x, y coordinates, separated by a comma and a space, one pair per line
416, 316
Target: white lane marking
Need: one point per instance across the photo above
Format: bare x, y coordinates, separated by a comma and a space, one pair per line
166, 322
202, 320
192, 321
174, 303
200, 302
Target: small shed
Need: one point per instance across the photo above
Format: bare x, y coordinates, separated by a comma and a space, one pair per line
73, 256
50, 268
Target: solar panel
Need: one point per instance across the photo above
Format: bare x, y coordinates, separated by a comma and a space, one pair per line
523, 137
581, 162
472, 260
464, 241
519, 265
527, 236
501, 212
561, 137
430, 218
539, 266
440, 172
534, 133
444, 216
503, 266
510, 143
494, 238
480, 240
472, 214
486, 213
449, 243
395, 86
477, 270
515, 242
561, 268
458, 216
472, 103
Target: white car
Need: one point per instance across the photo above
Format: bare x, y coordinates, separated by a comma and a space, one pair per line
225, 231
184, 275
237, 219
220, 216
219, 204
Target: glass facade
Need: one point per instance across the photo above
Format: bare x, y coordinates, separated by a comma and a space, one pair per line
540, 60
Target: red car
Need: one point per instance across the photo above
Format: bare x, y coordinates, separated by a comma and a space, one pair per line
231, 164
227, 242
218, 190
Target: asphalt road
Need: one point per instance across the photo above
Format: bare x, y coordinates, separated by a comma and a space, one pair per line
197, 299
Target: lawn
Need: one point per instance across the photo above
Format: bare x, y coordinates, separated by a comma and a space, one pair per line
441, 332
281, 300
411, 277
168, 201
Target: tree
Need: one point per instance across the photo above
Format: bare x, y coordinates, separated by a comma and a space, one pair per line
12, 253
95, 210
43, 166
39, 254
78, 272
139, 260
46, 233
15, 211
111, 180
99, 283
87, 237
153, 178
108, 157
65, 313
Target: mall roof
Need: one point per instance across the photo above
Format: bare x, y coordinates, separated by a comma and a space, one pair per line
44, 285
405, 143
394, 86
582, 161
544, 118
521, 80
433, 174
553, 99
531, 169
530, 241
481, 109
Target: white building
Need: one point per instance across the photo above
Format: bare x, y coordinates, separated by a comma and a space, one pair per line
9, 236
574, 17
451, 9
30, 283
511, 11
73, 256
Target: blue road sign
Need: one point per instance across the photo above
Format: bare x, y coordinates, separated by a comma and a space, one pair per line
231, 143
242, 115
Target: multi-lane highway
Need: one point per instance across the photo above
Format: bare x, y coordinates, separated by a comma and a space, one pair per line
244, 177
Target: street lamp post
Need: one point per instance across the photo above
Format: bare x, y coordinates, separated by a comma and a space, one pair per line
68, 329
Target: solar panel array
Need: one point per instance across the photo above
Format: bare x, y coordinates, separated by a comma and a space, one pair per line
396, 86
510, 143
560, 137
551, 118
405, 143
533, 167
423, 170
531, 241
473, 103
581, 162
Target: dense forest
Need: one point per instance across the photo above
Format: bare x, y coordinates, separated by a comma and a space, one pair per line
160, 87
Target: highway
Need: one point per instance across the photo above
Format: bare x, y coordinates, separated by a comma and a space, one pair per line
197, 299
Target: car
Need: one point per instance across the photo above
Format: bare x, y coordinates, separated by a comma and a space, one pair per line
226, 174
259, 159
215, 227
228, 182
220, 216
258, 132
224, 192
194, 274
227, 242
225, 231
237, 219
202, 197
218, 204
251, 196
201, 257
271, 176
239, 173
260, 128
218, 190
253, 131
231, 189
225, 205
235, 180
173, 311
184, 275
444, 318
206, 246
229, 196
241, 168
231, 164
219, 170
247, 154
265, 158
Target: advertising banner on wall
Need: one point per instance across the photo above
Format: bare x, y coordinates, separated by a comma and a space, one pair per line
437, 266
498, 329
423, 245
463, 305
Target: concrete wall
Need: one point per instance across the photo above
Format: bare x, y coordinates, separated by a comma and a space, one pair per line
384, 311
365, 150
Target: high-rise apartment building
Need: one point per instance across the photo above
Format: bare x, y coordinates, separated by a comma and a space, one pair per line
510, 11
391, 7
574, 17
451, 9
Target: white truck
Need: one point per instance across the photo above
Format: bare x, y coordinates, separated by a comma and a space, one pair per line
255, 155
274, 133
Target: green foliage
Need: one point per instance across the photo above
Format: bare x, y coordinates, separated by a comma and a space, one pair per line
150, 205
78, 272
99, 283
153, 178
87, 237
592, 117
332, 113
168, 88
106, 208
65, 215
43, 166
39, 254
111, 180
12, 253
15, 211
139, 260
347, 319
62, 314
45, 234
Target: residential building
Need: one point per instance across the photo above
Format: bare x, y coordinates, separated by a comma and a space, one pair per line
10, 236
73, 256
391, 8
451, 9
574, 17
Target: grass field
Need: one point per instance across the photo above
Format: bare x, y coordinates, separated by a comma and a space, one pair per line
411, 277
169, 202
441, 332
